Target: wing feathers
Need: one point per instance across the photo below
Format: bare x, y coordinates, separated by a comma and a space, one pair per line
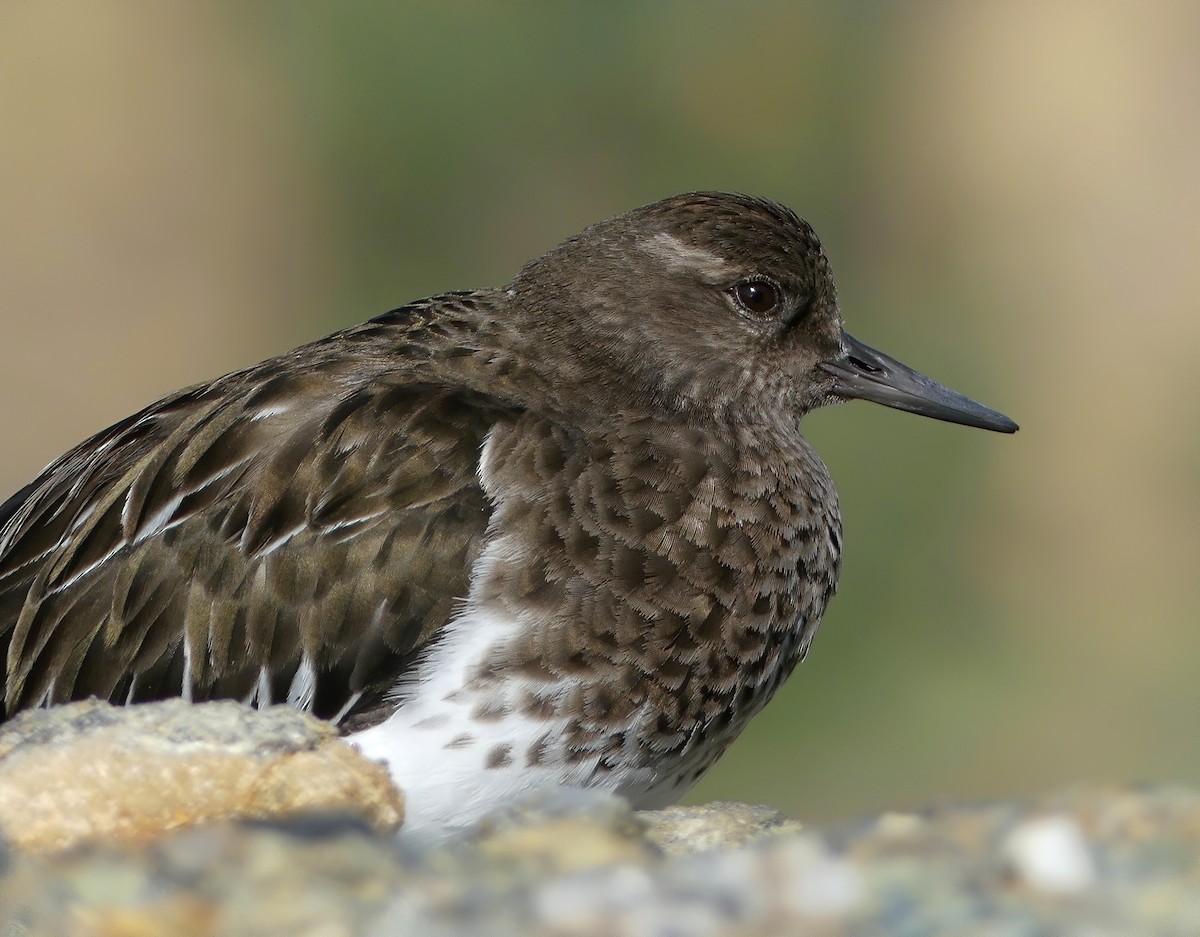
288, 532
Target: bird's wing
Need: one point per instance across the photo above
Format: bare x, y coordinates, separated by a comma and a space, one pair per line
296, 532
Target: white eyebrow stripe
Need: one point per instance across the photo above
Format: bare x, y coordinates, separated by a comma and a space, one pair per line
680, 256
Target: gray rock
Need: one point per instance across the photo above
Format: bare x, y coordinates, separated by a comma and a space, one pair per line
1085, 864
683, 831
215, 819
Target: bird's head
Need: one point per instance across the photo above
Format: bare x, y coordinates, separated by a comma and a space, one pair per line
711, 306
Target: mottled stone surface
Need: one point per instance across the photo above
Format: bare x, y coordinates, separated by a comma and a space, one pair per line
682, 831
564, 830
1111, 863
91, 771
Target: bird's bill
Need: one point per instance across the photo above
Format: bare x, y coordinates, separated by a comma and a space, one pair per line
866, 374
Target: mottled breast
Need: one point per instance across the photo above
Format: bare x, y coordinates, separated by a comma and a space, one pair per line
643, 592
672, 577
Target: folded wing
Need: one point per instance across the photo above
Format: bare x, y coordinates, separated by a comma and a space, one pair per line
296, 532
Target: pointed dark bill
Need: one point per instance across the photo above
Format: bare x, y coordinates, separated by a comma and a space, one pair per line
867, 374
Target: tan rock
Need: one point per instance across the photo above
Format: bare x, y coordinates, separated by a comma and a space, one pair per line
684, 831
556, 830
90, 770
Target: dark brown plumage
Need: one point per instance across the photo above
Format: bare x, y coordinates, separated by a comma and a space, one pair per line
643, 554
161, 530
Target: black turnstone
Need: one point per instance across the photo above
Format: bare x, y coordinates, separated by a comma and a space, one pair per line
563, 532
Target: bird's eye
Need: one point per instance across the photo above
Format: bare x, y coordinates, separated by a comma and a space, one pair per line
756, 296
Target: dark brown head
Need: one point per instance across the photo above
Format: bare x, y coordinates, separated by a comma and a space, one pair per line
712, 306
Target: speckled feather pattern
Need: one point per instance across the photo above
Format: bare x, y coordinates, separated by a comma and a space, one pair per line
308, 530
674, 578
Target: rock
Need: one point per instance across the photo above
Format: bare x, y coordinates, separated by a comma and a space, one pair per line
300, 878
561, 829
1050, 854
576, 864
90, 771
683, 831
118, 783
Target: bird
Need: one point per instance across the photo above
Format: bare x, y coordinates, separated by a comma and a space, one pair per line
563, 532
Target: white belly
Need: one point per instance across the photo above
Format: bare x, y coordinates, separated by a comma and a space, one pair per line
460, 747
452, 765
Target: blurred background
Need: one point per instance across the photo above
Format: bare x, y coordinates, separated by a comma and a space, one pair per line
1009, 193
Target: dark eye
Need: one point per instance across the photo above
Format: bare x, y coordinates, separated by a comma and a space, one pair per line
756, 296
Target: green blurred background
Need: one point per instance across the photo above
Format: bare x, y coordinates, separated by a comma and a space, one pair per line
1008, 192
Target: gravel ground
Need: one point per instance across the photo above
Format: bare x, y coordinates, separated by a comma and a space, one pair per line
1091, 863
